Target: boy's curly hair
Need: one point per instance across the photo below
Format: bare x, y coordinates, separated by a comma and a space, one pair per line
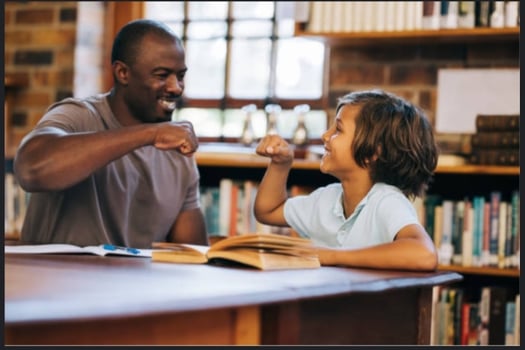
394, 139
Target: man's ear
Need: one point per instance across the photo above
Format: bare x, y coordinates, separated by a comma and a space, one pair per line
121, 71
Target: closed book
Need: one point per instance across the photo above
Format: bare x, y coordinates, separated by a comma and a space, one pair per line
517, 320
506, 157
430, 203
495, 199
470, 323
497, 122
468, 227
495, 139
264, 251
492, 313
431, 14
478, 203
483, 10
466, 15
510, 313
449, 14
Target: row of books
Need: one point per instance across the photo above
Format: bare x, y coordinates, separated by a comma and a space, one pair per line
481, 231
496, 140
228, 209
386, 16
490, 318
15, 205
477, 231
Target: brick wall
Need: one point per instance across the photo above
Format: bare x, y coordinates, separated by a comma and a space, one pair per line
40, 39
411, 71
39, 45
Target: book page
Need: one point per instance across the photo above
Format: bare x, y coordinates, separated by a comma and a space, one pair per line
464, 93
70, 248
179, 252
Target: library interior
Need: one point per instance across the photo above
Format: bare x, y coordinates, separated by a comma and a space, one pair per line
257, 68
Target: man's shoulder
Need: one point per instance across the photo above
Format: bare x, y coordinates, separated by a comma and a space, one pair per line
88, 101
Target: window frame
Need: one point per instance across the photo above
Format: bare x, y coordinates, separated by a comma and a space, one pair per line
121, 12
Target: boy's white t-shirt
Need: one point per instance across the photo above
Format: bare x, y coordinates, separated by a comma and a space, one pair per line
377, 218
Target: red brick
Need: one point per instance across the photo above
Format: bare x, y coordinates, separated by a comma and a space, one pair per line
413, 75
343, 74
34, 16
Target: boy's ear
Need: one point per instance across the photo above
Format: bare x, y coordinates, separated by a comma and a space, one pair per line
376, 155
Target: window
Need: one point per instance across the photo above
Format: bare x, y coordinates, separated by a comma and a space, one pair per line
239, 53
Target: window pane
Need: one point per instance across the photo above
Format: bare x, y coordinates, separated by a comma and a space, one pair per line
252, 29
299, 68
166, 11
234, 122
251, 60
207, 30
253, 9
207, 9
207, 122
206, 73
286, 28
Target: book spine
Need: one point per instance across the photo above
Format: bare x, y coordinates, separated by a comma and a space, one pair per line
467, 234
225, 192
430, 203
515, 229
495, 199
517, 320
510, 313
511, 13
315, 23
466, 14
449, 14
478, 203
438, 225
495, 157
457, 232
502, 234
495, 140
431, 15
495, 122
497, 16
483, 10
485, 251
446, 248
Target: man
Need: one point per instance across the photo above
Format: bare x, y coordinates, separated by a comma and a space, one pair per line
113, 168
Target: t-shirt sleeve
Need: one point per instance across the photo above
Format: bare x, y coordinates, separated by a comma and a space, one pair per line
71, 115
192, 200
299, 212
396, 213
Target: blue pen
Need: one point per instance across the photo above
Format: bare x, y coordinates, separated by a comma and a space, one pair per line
115, 247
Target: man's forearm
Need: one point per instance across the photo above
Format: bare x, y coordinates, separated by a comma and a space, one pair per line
57, 161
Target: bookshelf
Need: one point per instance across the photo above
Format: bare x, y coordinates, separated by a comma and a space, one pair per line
449, 181
413, 37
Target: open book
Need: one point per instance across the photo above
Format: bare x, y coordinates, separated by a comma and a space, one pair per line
265, 251
103, 249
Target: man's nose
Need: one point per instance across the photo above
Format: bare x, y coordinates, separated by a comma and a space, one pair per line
174, 85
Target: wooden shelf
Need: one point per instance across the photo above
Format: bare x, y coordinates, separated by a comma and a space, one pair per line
474, 35
245, 159
487, 271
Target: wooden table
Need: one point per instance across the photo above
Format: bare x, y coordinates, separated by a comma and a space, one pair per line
89, 300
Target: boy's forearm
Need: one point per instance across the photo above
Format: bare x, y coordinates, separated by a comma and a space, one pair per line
272, 191
401, 254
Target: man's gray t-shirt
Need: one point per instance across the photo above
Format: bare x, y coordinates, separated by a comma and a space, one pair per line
132, 201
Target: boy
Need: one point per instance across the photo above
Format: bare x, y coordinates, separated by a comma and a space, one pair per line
382, 150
